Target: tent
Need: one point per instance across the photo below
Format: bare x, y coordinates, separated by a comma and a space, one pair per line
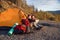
10, 16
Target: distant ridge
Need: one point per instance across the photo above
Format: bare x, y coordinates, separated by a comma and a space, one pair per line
55, 12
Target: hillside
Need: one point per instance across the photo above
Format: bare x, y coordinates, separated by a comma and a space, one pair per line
56, 14
45, 16
16, 3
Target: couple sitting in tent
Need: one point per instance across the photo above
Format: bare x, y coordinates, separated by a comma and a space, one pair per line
28, 24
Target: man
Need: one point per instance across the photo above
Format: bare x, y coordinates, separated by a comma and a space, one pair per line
33, 22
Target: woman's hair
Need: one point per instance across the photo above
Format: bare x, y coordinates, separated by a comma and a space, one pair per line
29, 15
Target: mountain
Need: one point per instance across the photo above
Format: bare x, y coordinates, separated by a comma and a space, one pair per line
55, 12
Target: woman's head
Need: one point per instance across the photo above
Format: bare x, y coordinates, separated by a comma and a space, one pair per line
29, 16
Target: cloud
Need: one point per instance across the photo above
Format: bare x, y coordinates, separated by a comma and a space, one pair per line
46, 5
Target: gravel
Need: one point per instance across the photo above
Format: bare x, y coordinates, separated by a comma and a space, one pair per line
46, 33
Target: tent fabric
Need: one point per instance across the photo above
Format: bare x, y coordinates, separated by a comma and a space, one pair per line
11, 16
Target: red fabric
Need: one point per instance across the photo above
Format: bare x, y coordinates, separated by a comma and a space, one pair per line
26, 22
20, 27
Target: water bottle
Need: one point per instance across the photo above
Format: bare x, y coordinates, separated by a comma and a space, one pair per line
12, 29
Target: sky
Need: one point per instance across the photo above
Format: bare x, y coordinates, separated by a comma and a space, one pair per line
45, 5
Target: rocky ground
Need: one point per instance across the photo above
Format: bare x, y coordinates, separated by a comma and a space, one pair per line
50, 31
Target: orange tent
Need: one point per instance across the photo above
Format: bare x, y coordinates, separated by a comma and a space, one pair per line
11, 16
